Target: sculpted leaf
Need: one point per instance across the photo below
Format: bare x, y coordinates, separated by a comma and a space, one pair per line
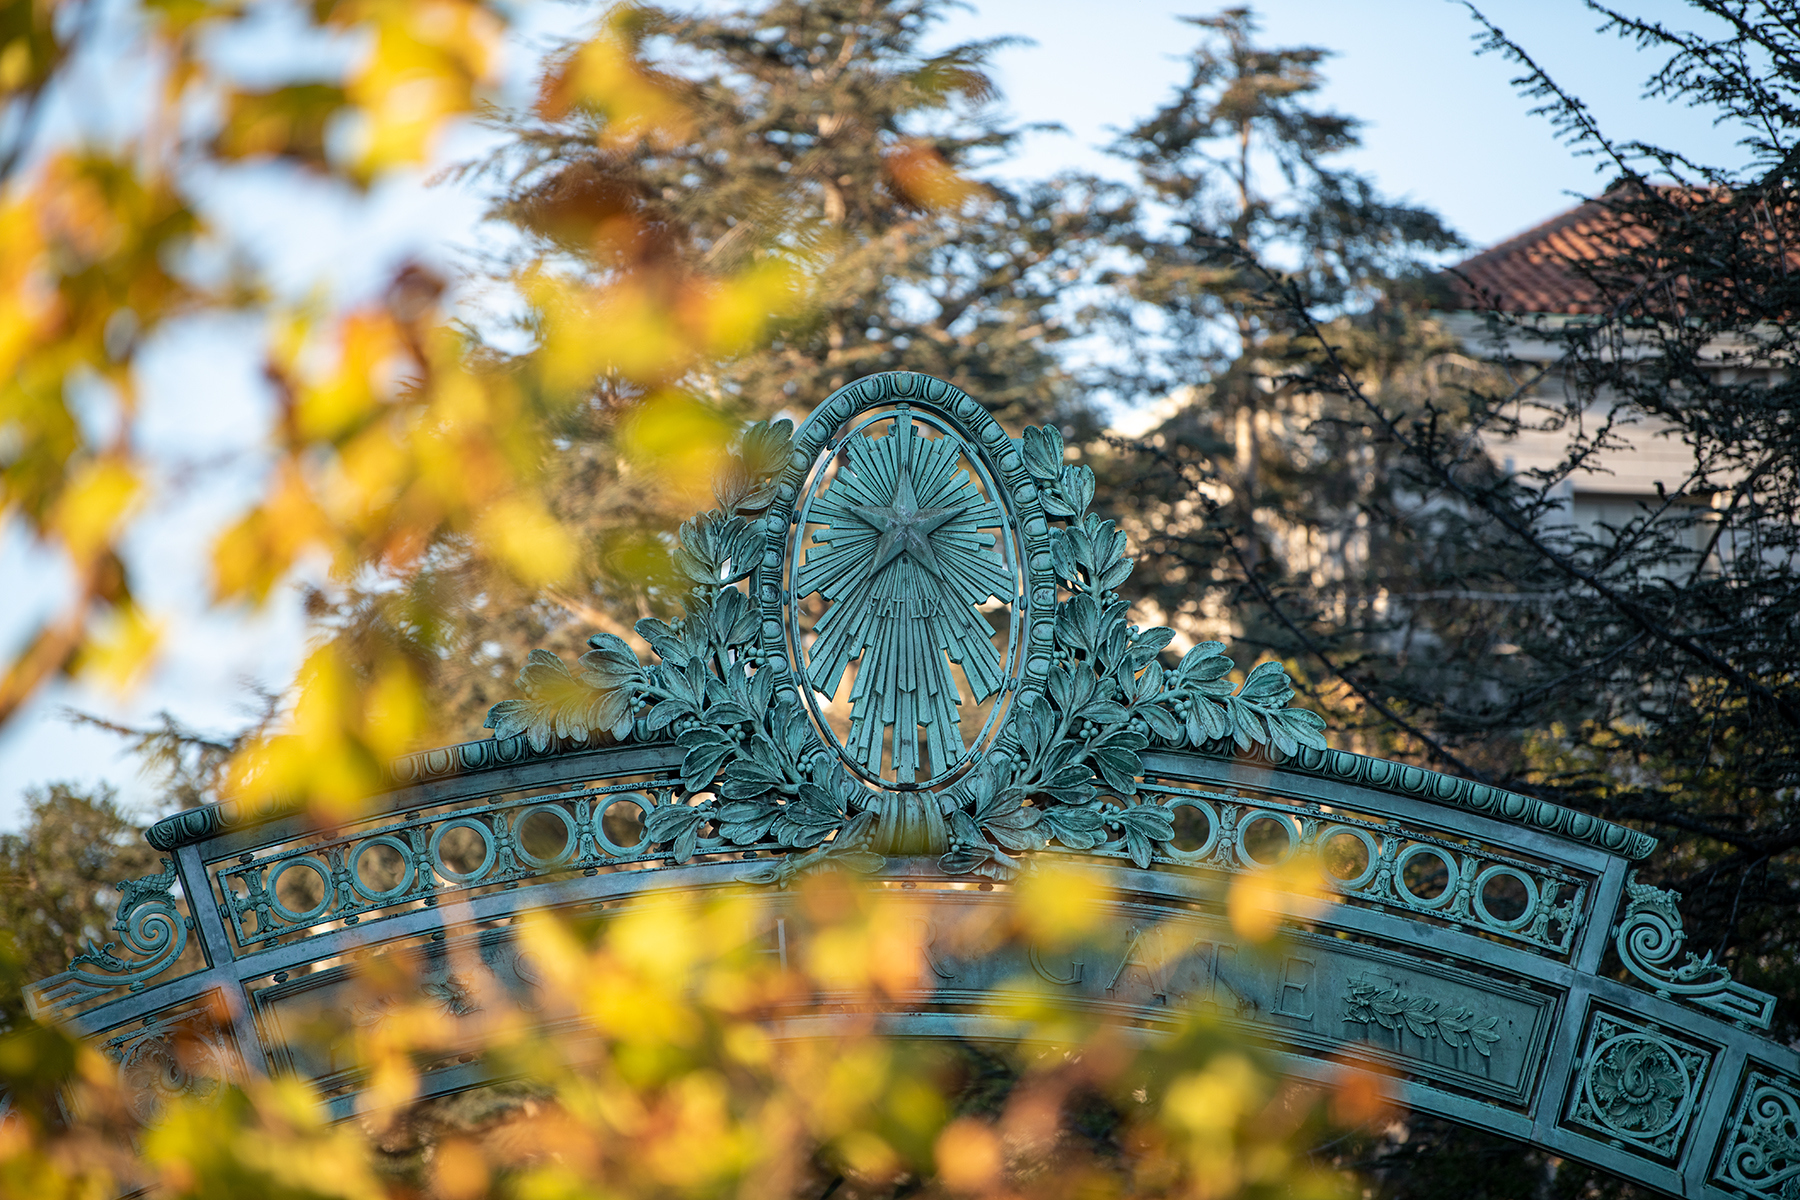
509, 718
964, 859
1153, 821
1016, 829
1206, 661
742, 823
1149, 684
1073, 784
1281, 736
1161, 721
1064, 753
716, 550
733, 619
766, 446
665, 641
1109, 652
1078, 623
557, 704
1148, 643
685, 687
744, 778
1102, 712
1418, 1017
1206, 722
762, 690
1246, 723
544, 674
1062, 556
1081, 550
677, 823
863, 862
1074, 826
963, 826
704, 750
1119, 770
797, 736
614, 713
1043, 453
1077, 486
1267, 685
729, 712
733, 486
1302, 726
609, 661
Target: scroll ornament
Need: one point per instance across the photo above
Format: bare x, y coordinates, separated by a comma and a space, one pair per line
1649, 937
154, 932
1064, 768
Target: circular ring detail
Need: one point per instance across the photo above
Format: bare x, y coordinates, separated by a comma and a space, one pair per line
607, 844
406, 877
1199, 854
1369, 869
316, 911
1505, 872
1450, 875
569, 841
488, 849
1285, 820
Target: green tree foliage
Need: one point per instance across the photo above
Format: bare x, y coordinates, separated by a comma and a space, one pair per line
1255, 473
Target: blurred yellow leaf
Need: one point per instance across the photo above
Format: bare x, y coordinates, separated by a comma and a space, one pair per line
427, 60
1059, 904
1261, 899
528, 540
968, 1156
286, 121
679, 439
121, 648
921, 175
606, 76
98, 498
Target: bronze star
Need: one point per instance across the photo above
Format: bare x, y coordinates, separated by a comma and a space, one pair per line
905, 528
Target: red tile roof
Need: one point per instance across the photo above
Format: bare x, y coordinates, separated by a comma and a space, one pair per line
1532, 273
1548, 268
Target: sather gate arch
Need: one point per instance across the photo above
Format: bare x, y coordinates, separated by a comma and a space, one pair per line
924, 678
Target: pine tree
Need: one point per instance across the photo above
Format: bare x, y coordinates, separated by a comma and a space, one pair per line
1253, 477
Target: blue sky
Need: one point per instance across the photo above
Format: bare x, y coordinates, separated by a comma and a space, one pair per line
1445, 129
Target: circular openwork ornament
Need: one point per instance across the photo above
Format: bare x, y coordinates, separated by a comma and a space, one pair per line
913, 554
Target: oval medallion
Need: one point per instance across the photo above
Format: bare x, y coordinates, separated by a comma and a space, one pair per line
905, 594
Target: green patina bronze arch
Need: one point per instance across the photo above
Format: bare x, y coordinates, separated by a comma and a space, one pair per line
1570, 1018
